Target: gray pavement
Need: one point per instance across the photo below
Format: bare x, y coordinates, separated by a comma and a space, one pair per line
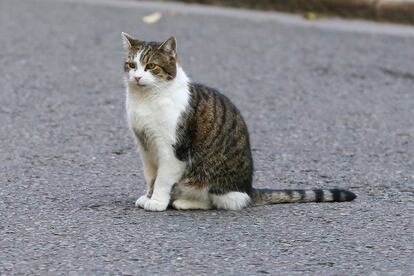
328, 104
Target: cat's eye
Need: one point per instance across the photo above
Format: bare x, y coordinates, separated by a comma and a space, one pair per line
150, 66
131, 65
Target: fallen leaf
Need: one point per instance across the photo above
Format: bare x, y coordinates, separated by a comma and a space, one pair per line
314, 15
152, 18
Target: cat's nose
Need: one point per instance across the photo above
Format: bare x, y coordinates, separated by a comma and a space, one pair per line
137, 78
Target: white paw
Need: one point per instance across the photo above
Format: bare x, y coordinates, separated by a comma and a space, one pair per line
141, 201
180, 204
155, 205
231, 201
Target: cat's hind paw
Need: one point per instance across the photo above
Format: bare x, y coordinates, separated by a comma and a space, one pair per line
183, 204
141, 201
155, 205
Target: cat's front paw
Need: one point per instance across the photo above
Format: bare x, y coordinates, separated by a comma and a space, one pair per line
155, 205
141, 201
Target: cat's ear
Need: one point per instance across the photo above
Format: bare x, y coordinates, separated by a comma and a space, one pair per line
129, 41
170, 46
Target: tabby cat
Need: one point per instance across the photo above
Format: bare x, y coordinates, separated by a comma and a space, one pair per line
193, 141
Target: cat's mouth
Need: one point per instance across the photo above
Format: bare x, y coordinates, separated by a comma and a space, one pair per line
140, 84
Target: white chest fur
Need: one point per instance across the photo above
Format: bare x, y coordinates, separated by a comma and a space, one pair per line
157, 113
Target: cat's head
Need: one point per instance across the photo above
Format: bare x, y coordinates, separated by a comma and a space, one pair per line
149, 64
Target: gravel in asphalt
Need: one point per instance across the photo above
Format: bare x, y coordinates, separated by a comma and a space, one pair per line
326, 106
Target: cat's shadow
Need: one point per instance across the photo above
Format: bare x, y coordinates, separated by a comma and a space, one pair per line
126, 204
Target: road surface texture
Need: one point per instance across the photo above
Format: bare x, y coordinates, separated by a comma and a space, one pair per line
328, 104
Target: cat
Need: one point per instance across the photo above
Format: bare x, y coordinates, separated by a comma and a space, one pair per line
193, 142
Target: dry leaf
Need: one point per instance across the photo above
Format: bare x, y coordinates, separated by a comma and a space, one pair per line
152, 18
314, 15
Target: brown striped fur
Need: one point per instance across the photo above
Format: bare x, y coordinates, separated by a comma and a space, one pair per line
213, 137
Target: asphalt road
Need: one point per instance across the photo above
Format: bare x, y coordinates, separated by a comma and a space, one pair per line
328, 104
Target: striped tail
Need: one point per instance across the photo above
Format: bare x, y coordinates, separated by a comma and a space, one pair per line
268, 196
